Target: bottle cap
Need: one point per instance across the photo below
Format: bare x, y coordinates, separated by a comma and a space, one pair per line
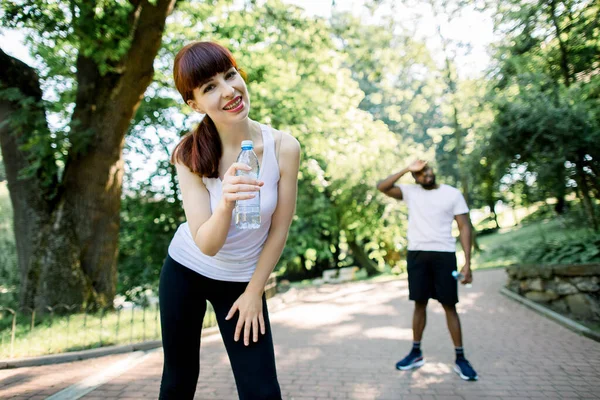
247, 144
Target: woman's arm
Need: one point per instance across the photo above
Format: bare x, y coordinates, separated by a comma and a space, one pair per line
282, 217
250, 303
209, 231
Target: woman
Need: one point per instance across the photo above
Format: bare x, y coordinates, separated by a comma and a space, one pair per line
209, 258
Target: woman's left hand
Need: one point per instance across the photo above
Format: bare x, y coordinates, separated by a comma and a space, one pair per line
250, 307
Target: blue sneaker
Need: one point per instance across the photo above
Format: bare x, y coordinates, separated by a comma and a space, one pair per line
414, 359
464, 369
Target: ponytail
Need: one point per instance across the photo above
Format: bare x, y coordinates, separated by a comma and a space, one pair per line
200, 150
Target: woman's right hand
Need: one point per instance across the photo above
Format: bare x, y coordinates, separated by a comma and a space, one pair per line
238, 187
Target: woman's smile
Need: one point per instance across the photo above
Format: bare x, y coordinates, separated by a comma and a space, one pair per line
235, 105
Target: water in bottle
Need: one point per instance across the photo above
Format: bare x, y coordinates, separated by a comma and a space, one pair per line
459, 277
247, 212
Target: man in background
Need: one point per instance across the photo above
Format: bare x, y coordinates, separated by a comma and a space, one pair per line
431, 258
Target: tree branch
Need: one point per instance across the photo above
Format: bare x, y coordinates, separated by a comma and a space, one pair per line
147, 38
564, 63
15, 73
22, 116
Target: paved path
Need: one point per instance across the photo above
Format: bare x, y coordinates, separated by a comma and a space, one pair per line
342, 341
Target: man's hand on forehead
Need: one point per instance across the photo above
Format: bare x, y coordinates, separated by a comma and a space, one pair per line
417, 165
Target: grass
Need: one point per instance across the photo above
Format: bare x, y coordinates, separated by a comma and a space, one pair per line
60, 334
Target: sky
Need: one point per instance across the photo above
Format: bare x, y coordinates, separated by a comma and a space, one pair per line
474, 28
11, 43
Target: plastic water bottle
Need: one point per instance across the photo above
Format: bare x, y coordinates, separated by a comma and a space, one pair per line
459, 277
247, 212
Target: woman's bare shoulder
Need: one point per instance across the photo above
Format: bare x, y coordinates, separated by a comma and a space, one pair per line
288, 144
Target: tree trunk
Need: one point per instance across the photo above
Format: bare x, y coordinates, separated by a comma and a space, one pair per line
585, 195
458, 137
593, 177
72, 247
492, 206
514, 213
362, 259
564, 62
465, 186
30, 198
559, 207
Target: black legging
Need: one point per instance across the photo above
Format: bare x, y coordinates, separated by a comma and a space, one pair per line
183, 294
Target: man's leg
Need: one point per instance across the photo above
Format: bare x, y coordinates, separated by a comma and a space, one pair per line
462, 367
420, 290
415, 359
453, 322
446, 289
419, 320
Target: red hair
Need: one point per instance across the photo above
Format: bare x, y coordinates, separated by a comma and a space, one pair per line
197, 62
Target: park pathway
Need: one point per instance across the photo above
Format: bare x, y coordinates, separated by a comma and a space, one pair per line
342, 341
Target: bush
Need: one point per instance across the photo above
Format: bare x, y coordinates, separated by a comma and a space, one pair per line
147, 227
572, 250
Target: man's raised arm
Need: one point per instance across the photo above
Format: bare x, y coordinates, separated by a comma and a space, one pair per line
386, 186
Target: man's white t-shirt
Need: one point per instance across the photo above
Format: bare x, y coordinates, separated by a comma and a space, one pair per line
430, 216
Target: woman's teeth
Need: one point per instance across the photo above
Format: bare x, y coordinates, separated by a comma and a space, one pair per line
234, 105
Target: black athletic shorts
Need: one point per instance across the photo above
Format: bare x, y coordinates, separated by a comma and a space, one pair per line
430, 276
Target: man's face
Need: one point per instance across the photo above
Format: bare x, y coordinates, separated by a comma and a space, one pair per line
425, 178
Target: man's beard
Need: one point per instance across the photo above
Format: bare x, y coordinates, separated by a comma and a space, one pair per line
430, 185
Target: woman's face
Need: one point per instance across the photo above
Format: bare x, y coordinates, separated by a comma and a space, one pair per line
224, 97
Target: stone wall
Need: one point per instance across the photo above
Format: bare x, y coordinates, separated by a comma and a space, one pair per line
569, 289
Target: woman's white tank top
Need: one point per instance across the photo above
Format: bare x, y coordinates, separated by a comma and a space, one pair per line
236, 261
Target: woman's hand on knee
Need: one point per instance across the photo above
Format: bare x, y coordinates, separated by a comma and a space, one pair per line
251, 320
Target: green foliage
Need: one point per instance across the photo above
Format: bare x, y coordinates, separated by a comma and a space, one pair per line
300, 86
97, 30
541, 239
571, 250
303, 87
28, 125
361, 98
397, 73
148, 224
546, 99
544, 247
91, 38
